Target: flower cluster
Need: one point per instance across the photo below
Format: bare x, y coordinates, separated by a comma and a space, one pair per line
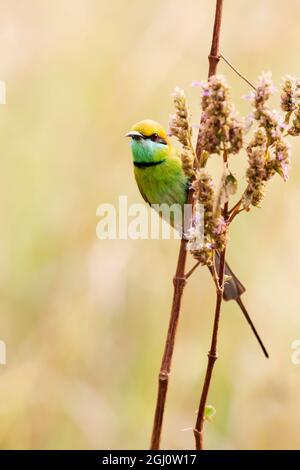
263, 92
220, 127
295, 129
271, 120
187, 159
179, 124
222, 132
282, 153
290, 102
214, 233
290, 94
180, 127
269, 151
257, 172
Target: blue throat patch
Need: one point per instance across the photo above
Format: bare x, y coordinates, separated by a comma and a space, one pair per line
148, 153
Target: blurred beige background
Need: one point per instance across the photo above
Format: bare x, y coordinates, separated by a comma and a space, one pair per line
84, 320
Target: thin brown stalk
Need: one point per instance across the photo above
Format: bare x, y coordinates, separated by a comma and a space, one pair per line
235, 208
190, 272
179, 282
212, 357
237, 72
180, 278
214, 274
234, 211
214, 57
234, 214
163, 379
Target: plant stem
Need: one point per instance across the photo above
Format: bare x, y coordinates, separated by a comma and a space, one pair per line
214, 55
235, 208
213, 58
163, 379
237, 72
212, 357
190, 272
180, 278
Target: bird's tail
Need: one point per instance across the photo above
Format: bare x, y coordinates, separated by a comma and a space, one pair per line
246, 315
233, 289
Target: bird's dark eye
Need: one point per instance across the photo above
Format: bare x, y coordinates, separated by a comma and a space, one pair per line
154, 137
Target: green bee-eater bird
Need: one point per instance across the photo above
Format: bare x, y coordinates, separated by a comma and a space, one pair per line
161, 180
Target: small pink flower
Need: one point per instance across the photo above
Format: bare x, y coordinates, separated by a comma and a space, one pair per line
280, 156
250, 96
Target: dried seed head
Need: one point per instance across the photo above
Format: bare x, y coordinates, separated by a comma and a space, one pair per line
220, 127
290, 94
179, 124
282, 153
295, 129
215, 227
180, 127
269, 151
204, 254
256, 174
264, 90
187, 159
219, 233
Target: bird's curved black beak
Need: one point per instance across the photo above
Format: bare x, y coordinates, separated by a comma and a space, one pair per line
134, 135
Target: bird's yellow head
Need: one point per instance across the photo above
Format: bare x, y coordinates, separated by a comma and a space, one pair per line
149, 141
